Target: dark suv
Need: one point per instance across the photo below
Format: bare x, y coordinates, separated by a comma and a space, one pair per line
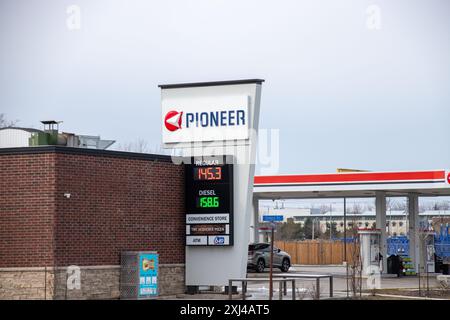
259, 257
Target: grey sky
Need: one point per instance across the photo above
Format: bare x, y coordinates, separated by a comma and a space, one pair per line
341, 94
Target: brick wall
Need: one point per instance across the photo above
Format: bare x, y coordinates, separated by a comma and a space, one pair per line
27, 209
118, 201
118, 204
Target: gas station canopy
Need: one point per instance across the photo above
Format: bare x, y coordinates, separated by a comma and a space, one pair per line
353, 184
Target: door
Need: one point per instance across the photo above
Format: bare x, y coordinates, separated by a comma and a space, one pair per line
277, 257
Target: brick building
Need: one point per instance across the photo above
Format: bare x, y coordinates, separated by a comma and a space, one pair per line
70, 206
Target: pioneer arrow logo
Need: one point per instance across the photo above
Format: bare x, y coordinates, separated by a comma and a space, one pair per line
173, 120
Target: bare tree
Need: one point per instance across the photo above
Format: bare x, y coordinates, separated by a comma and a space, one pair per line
4, 123
356, 261
324, 209
441, 205
423, 271
389, 203
140, 146
357, 209
398, 205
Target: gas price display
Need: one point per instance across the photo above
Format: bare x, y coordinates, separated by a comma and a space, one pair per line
208, 173
209, 202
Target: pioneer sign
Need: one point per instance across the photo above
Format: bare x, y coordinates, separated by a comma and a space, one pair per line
204, 120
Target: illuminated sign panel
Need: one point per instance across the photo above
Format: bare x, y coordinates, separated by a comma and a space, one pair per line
208, 173
207, 118
209, 202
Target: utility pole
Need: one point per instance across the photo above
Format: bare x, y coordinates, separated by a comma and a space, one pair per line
271, 262
390, 217
331, 220
345, 242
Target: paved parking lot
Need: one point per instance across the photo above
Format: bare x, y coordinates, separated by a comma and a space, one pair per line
305, 289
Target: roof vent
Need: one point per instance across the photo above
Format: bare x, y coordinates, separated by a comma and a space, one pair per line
51, 125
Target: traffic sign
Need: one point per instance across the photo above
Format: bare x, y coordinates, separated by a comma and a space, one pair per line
272, 218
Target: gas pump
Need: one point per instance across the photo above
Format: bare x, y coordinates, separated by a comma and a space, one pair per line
427, 250
369, 241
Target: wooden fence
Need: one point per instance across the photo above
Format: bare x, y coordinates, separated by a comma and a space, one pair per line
318, 252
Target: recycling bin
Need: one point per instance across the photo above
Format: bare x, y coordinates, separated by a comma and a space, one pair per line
394, 265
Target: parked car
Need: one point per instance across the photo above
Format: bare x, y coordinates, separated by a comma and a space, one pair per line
259, 257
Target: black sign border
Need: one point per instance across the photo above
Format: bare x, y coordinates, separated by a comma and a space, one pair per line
225, 160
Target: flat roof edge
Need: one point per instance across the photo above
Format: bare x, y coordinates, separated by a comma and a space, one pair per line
210, 83
85, 151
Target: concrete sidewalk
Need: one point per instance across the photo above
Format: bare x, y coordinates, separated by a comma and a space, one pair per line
335, 270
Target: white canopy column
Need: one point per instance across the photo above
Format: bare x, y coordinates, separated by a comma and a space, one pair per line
413, 229
254, 223
380, 208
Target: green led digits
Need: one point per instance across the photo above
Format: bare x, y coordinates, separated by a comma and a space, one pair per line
208, 202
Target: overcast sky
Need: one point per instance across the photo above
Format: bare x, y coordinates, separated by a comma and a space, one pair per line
343, 90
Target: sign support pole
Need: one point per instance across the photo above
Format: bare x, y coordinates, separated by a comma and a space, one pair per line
271, 264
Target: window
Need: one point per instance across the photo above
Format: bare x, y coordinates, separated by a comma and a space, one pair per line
367, 224
400, 223
258, 246
394, 223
